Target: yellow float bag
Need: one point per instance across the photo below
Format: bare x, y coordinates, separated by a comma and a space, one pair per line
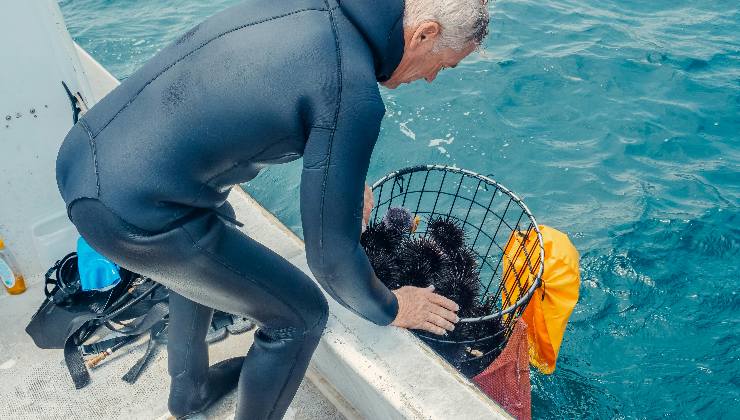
550, 307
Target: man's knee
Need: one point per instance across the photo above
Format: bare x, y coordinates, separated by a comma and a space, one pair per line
312, 314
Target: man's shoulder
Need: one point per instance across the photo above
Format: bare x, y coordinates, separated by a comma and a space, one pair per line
255, 12
285, 19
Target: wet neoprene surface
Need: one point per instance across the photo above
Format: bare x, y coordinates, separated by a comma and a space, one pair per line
261, 83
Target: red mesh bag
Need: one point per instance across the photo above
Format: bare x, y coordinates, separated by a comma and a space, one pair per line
506, 380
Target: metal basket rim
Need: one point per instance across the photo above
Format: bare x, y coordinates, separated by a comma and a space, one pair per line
490, 181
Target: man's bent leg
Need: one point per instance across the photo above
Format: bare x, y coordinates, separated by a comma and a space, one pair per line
216, 265
194, 386
290, 308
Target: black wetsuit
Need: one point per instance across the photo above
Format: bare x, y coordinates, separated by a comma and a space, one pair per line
145, 175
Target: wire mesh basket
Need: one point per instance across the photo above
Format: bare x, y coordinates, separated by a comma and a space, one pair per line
492, 218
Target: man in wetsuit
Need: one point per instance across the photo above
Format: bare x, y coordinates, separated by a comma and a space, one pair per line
145, 174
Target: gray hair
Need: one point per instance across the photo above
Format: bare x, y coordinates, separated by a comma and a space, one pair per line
462, 21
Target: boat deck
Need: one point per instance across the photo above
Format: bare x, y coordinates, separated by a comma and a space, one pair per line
36, 384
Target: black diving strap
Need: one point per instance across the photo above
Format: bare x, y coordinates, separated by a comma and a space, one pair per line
73, 352
229, 218
155, 314
75, 364
133, 374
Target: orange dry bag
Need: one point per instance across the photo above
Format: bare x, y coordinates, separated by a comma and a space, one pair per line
551, 304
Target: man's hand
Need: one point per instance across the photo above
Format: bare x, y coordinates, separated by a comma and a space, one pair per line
421, 308
368, 206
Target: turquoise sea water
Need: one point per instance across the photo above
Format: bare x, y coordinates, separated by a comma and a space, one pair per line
618, 122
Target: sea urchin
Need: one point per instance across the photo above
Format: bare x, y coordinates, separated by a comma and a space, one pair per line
419, 260
447, 232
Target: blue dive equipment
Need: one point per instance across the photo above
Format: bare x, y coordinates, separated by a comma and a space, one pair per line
96, 271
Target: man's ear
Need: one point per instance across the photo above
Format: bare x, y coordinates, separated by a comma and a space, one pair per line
426, 34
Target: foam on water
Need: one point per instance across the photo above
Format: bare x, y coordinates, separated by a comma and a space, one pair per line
617, 121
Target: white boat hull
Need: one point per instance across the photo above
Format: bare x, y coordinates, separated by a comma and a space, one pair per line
35, 113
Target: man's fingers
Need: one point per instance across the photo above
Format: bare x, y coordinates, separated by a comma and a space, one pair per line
444, 313
428, 326
444, 302
441, 322
421, 308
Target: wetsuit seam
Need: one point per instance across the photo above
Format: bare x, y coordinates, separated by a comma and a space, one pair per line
146, 233
323, 127
94, 152
285, 383
179, 214
207, 183
233, 166
75, 200
215, 258
338, 51
156, 76
188, 351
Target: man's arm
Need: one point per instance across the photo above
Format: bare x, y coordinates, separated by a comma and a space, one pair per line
335, 163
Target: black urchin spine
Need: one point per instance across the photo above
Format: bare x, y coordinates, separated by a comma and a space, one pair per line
447, 232
420, 259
